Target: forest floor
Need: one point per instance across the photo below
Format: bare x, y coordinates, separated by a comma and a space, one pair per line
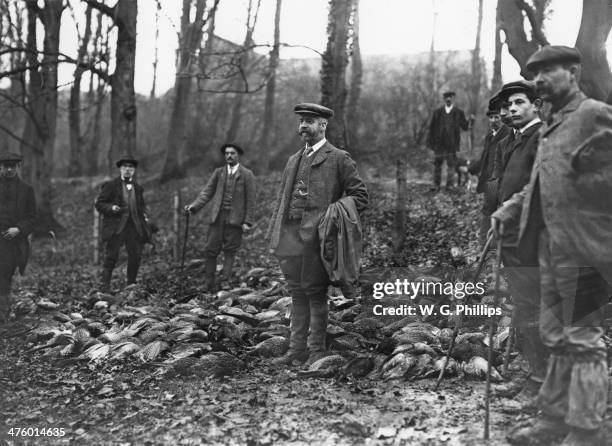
130, 402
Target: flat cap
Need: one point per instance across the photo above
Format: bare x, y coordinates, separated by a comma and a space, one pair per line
553, 53
520, 86
235, 146
310, 109
494, 105
448, 93
10, 157
127, 159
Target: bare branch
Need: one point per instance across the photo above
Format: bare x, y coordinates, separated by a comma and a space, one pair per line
105, 9
536, 25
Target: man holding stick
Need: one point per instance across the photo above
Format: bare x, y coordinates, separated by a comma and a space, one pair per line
566, 208
231, 194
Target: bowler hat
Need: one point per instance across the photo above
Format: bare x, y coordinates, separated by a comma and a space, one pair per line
10, 157
553, 53
235, 146
520, 86
127, 159
448, 93
310, 109
494, 105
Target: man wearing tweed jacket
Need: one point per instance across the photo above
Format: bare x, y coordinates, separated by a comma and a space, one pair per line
316, 176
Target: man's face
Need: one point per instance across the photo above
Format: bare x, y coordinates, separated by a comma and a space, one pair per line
521, 109
495, 121
231, 156
554, 82
311, 129
127, 170
8, 169
449, 100
504, 114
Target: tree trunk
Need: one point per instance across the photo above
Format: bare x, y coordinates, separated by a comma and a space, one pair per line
512, 23
333, 69
596, 79
190, 40
74, 109
399, 226
232, 131
40, 127
496, 82
155, 58
123, 100
268, 116
476, 76
352, 103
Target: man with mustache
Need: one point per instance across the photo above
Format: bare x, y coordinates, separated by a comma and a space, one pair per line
315, 176
17, 219
566, 209
444, 138
231, 194
125, 221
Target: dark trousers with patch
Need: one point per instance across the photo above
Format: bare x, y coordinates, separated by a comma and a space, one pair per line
8, 265
572, 326
451, 161
308, 281
131, 239
223, 237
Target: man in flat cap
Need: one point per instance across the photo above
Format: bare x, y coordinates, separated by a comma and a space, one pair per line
521, 266
316, 176
125, 221
444, 138
566, 209
230, 192
17, 220
484, 166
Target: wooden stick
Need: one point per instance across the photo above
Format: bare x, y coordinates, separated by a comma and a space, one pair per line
491, 332
176, 226
511, 334
96, 236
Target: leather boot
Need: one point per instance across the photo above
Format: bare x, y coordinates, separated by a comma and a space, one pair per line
545, 429
228, 263
300, 320
5, 307
318, 323
210, 267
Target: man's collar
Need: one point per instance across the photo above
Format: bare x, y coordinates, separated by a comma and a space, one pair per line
448, 108
232, 169
318, 145
530, 124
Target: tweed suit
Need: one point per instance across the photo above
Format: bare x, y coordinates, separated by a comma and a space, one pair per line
332, 174
572, 226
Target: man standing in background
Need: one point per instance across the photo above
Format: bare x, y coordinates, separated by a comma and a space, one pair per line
445, 138
17, 220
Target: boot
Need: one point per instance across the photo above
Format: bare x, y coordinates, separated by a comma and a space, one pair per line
544, 429
583, 437
318, 326
105, 280
300, 320
210, 267
228, 263
5, 307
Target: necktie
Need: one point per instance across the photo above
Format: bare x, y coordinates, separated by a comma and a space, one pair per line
309, 151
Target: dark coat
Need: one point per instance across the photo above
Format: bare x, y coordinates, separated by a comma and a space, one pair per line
436, 140
25, 220
333, 173
243, 200
112, 194
486, 163
578, 220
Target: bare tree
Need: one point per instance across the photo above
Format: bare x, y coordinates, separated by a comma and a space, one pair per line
74, 110
268, 116
596, 79
155, 57
476, 80
124, 15
243, 65
190, 40
355, 80
496, 81
333, 68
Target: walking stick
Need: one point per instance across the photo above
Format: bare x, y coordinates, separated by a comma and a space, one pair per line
185, 240
491, 332
481, 261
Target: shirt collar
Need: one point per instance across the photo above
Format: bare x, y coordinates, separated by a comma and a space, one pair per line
233, 169
448, 108
318, 145
529, 124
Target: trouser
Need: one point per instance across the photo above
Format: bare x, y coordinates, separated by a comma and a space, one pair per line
307, 281
451, 161
571, 325
8, 265
222, 237
131, 239
524, 282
